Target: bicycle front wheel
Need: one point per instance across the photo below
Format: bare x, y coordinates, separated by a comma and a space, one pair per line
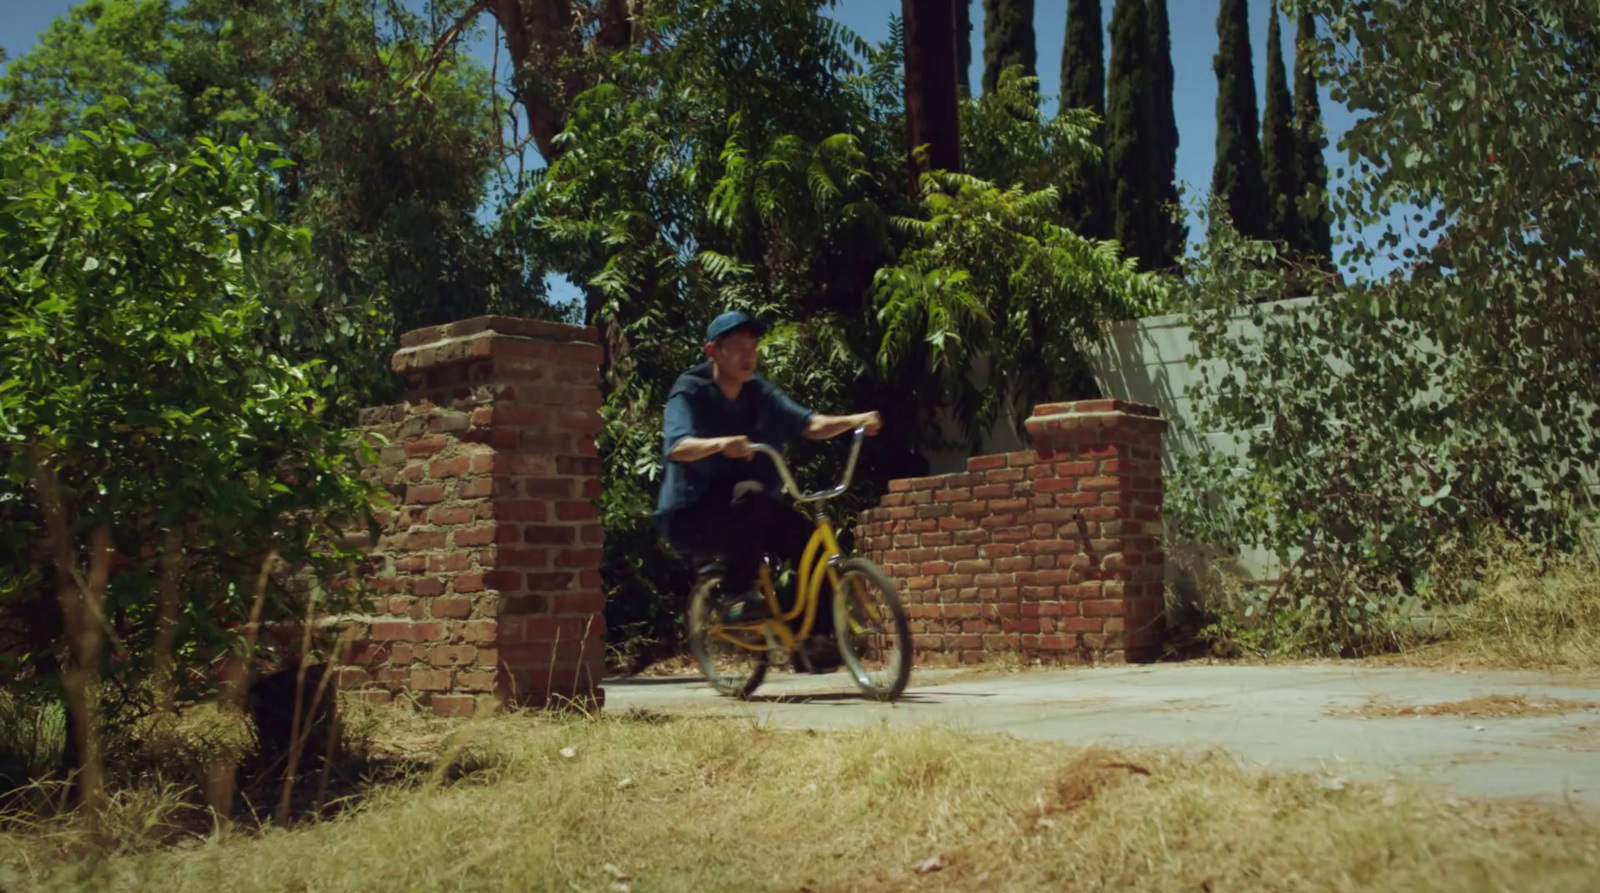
734, 659
874, 636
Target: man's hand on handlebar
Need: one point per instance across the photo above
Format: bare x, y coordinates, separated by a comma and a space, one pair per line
736, 447
870, 421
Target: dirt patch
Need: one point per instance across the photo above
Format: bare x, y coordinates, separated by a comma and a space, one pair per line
1486, 707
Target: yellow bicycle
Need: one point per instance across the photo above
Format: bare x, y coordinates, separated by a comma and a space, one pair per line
870, 625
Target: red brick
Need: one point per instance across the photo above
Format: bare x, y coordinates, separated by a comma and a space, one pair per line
427, 586
550, 536
451, 467
503, 580
991, 491
1080, 624
453, 655
958, 495
455, 608
481, 535
405, 631
899, 486
418, 540
429, 680
544, 582
449, 562
475, 680
478, 631
592, 533
424, 494
1100, 482
521, 510
970, 509
575, 511
448, 515
427, 446
1077, 499
985, 463
1101, 608
579, 558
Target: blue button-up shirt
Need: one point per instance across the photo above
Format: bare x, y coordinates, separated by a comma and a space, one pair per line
696, 407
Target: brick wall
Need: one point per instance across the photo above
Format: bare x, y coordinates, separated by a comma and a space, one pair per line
1053, 553
488, 566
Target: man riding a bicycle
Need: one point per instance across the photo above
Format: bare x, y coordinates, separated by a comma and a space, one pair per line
719, 499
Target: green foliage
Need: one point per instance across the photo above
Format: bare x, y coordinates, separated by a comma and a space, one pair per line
392, 158
1083, 86
1454, 398
1315, 218
1174, 233
135, 281
1008, 40
1279, 148
1236, 177
755, 159
988, 276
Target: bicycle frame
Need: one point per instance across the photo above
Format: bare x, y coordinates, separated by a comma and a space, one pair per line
816, 565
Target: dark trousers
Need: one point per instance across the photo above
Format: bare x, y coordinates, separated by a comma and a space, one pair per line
741, 527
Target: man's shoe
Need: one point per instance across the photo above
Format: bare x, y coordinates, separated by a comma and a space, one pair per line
748, 607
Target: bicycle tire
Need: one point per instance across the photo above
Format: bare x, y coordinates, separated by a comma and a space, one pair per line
899, 631
701, 603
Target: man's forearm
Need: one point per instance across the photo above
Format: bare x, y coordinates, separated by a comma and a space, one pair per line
693, 449
824, 427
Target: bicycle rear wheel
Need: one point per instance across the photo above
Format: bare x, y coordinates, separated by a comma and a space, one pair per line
874, 636
733, 659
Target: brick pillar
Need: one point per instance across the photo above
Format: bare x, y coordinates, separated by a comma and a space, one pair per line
1105, 458
488, 569
1054, 552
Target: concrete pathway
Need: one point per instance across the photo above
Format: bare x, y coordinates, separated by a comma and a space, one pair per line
1284, 717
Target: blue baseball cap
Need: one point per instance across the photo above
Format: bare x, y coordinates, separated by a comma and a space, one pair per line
728, 322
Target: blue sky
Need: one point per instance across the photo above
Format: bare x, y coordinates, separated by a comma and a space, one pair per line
1194, 40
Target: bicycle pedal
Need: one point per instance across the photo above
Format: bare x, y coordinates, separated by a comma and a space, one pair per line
778, 654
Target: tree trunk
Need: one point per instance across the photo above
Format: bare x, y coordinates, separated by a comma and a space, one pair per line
932, 112
542, 37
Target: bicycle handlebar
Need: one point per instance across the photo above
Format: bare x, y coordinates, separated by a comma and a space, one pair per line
820, 495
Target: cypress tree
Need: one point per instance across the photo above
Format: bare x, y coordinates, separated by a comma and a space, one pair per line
1128, 156
1280, 156
1083, 86
1237, 175
963, 48
1316, 236
1163, 140
1007, 40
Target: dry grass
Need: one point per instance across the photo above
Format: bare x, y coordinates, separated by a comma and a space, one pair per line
532, 803
1530, 611
1487, 707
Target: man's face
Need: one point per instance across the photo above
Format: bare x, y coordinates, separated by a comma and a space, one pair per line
735, 355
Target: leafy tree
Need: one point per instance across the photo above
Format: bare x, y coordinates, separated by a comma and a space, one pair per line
1164, 142
1315, 231
1396, 419
1236, 176
390, 182
1083, 86
755, 159
1008, 40
1129, 144
1279, 148
172, 464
